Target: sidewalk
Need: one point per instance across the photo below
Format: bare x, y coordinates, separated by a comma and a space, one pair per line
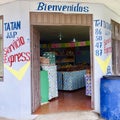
77, 115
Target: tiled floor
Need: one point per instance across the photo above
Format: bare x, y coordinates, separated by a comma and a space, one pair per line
67, 101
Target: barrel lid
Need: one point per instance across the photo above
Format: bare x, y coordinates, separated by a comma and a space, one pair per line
112, 77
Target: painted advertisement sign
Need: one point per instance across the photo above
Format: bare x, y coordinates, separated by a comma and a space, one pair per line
103, 47
13, 53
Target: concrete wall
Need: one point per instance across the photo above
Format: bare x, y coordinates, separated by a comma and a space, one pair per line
15, 90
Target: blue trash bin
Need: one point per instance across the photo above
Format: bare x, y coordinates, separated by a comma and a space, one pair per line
110, 97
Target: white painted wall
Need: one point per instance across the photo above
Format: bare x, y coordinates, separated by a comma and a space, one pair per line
15, 91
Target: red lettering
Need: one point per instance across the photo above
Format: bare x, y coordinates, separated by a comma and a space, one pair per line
14, 45
27, 56
22, 41
11, 59
19, 57
5, 51
23, 57
108, 50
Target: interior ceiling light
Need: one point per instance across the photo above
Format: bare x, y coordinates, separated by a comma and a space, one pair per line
74, 40
60, 36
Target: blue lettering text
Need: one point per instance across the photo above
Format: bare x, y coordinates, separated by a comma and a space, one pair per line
16, 25
54, 7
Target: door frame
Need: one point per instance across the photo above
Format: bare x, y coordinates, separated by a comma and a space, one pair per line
57, 19
35, 69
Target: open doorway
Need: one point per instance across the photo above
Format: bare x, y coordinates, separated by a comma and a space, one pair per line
70, 46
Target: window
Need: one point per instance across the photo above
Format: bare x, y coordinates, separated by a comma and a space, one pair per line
1, 48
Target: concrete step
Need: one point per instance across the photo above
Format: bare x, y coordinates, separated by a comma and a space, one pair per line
77, 115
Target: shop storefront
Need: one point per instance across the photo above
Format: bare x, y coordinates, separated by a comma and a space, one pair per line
82, 41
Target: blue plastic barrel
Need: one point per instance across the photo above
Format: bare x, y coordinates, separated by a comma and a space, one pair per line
110, 97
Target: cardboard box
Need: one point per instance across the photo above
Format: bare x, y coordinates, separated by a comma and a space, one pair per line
44, 60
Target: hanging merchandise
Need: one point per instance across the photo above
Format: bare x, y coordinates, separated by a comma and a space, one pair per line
63, 45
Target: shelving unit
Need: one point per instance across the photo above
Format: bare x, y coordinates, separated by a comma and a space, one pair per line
68, 55
64, 56
65, 59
